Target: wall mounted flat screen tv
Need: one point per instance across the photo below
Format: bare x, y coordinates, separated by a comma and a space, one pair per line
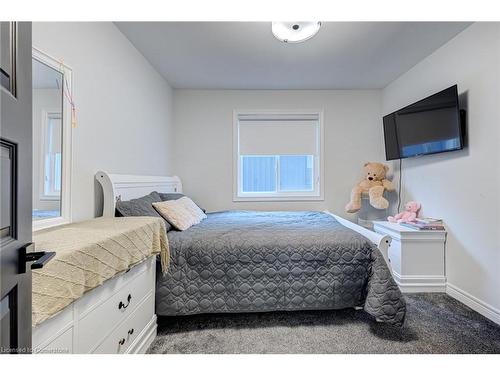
429, 126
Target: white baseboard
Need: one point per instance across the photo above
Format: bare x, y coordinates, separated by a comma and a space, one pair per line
474, 303
420, 284
145, 339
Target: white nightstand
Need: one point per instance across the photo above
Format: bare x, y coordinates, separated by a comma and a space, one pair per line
416, 257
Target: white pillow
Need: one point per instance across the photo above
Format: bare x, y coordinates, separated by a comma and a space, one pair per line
181, 213
193, 208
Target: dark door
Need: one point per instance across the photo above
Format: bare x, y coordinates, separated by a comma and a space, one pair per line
15, 186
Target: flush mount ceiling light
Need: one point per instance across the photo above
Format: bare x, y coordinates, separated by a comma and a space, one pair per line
295, 32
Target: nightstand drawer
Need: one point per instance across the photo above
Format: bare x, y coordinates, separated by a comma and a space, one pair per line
100, 321
120, 339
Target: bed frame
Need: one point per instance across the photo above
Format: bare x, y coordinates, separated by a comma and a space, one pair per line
125, 187
116, 187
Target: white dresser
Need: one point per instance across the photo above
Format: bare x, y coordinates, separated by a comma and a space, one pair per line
117, 317
417, 257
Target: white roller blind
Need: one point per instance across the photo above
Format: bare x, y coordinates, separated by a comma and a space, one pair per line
278, 136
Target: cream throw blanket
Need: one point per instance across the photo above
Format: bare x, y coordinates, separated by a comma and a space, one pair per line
89, 253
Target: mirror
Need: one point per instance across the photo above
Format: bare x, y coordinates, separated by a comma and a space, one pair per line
47, 141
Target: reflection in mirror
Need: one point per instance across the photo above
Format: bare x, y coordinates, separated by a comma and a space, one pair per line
47, 141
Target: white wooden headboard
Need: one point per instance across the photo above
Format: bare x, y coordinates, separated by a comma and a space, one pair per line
125, 187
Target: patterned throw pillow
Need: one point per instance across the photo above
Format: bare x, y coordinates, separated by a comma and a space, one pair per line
174, 196
180, 213
193, 208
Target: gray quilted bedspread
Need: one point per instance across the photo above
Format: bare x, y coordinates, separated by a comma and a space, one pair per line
243, 261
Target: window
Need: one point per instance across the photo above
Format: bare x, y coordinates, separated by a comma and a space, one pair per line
52, 158
277, 156
52, 118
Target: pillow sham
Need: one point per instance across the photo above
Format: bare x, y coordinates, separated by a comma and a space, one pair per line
181, 213
142, 206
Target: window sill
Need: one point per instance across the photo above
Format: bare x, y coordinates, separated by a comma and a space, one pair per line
50, 198
49, 223
279, 199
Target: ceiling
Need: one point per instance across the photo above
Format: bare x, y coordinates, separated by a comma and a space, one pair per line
245, 55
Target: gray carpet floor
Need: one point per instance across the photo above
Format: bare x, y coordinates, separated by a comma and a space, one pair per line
435, 323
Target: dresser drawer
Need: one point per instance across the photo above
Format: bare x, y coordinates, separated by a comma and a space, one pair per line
100, 321
62, 344
52, 328
127, 332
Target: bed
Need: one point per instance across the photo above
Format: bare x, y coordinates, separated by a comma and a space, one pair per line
253, 261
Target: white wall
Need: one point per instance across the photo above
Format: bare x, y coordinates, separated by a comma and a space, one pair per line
123, 106
204, 150
462, 187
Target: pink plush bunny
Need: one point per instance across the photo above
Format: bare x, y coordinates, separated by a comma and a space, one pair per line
408, 215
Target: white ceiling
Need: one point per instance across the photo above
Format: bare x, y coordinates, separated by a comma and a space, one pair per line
245, 55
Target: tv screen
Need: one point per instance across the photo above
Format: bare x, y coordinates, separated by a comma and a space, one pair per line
429, 126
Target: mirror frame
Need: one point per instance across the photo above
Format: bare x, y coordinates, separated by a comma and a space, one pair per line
67, 142
11, 51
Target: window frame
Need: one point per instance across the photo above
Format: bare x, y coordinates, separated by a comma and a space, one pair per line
67, 143
318, 170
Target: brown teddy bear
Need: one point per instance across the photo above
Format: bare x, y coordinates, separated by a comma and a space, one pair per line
374, 184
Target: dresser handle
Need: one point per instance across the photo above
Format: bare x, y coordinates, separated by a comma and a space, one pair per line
121, 342
121, 305
131, 331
